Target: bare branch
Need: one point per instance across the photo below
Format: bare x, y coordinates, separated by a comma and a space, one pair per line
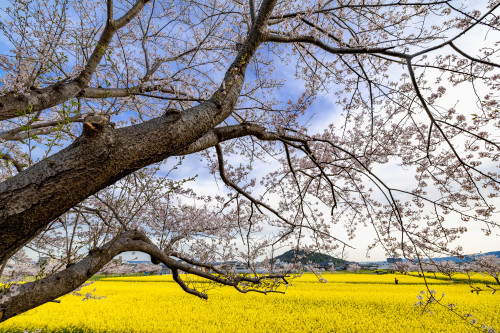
481, 61
334, 50
180, 282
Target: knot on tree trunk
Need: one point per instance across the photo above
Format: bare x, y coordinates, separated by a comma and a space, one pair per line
94, 124
172, 114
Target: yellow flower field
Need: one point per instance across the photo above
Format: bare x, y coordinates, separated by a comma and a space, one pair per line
347, 303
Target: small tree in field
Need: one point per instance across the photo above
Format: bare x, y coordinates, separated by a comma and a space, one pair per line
302, 114
147, 268
17, 262
448, 268
353, 268
404, 267
470, 269
490, 265
19, 270
431, 268
116, 268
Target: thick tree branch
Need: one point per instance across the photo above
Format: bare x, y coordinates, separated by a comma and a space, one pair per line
93, 92
64, 282
109, 10
32, 198
252, 10
221, 134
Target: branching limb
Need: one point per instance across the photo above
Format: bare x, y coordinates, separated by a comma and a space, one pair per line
177, 278
7, 157
62, 283
259, 203
472, 58
423, 102
192, 262
25, 132
451, 40
334, 50
161, 61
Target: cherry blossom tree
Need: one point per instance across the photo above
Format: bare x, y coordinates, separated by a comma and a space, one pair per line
469, 268
489, 264
354, 268
431, 267
145, 267
116, 267
98, 99
404, 267
111, 268
20, 258
123, 269
18, 270
448, 268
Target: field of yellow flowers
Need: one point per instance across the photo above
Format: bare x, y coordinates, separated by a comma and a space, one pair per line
347, 303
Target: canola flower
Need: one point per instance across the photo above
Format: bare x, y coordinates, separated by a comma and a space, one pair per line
347, 303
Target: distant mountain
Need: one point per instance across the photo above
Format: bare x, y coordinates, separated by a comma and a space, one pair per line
467, 257
136, 262
313, 257
496, 253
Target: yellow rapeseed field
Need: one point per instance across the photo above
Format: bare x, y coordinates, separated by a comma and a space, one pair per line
347, 303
